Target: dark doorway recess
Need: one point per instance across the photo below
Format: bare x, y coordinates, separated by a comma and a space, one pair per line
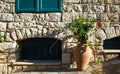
41, 49
113, 43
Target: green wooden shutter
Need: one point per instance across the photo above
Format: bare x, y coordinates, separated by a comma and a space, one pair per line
26, 5
50, 5
38, 5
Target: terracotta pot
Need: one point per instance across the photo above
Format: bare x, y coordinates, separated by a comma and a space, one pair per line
82, 55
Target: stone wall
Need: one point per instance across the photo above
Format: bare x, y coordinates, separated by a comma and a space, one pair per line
18, 26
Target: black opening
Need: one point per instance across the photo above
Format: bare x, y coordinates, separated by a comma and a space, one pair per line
41, 49
113, 43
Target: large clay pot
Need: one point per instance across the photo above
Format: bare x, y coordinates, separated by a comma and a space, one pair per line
82, 55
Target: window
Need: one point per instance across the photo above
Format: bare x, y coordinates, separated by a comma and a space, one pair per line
38, 5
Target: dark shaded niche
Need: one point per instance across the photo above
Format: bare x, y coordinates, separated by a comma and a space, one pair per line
113, 43
41, 49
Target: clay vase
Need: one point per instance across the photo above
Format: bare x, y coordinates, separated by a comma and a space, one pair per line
82, 55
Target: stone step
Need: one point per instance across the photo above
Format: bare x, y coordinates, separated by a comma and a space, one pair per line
78, 72
71, 71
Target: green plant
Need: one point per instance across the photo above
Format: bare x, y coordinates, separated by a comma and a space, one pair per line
1, 38
98, 61
80, 27
96, 44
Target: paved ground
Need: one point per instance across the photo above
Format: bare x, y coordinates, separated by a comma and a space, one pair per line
56, 72
109, 67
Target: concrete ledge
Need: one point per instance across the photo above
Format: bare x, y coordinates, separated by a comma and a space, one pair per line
112, 51
39, 62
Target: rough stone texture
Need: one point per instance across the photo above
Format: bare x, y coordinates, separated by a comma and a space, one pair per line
16, 25
10, 1
6, 17
7, 37
2, 57
11, 58
26, 17
17, 69
117, 29
99, 9
101, 34
66, 58
13, 36
8, 46
2, 26
20, 26
29, 68
67, 17
110, 32
53, 17
108, 1
67, 7
3, 68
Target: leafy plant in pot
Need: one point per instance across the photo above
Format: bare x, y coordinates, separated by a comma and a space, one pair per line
82, 52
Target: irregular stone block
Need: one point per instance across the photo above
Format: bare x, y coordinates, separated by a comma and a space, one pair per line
17, 69
3, 26
23, 32
108, 1
116, 1
117, 30
17, 18
16, 25
19, 34
104, 17
101, 35
85, 7
3, 68
29, 68
66, 58
8, 38
11, 58
2, 6
53, 67
27, 17
41, 68
28, 32
53, 17
91, 16
9, 8
99, 8
70, 1
115, 8
34, 32
110, 32
10, 1
13, 35
39, 17
77, 8
67, 7
6, 17
8, 46
2, 57
67, 17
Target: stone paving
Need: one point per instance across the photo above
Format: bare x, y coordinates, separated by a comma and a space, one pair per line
56, 72
109, 67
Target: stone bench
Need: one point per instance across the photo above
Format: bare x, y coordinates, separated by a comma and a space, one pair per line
110, 51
